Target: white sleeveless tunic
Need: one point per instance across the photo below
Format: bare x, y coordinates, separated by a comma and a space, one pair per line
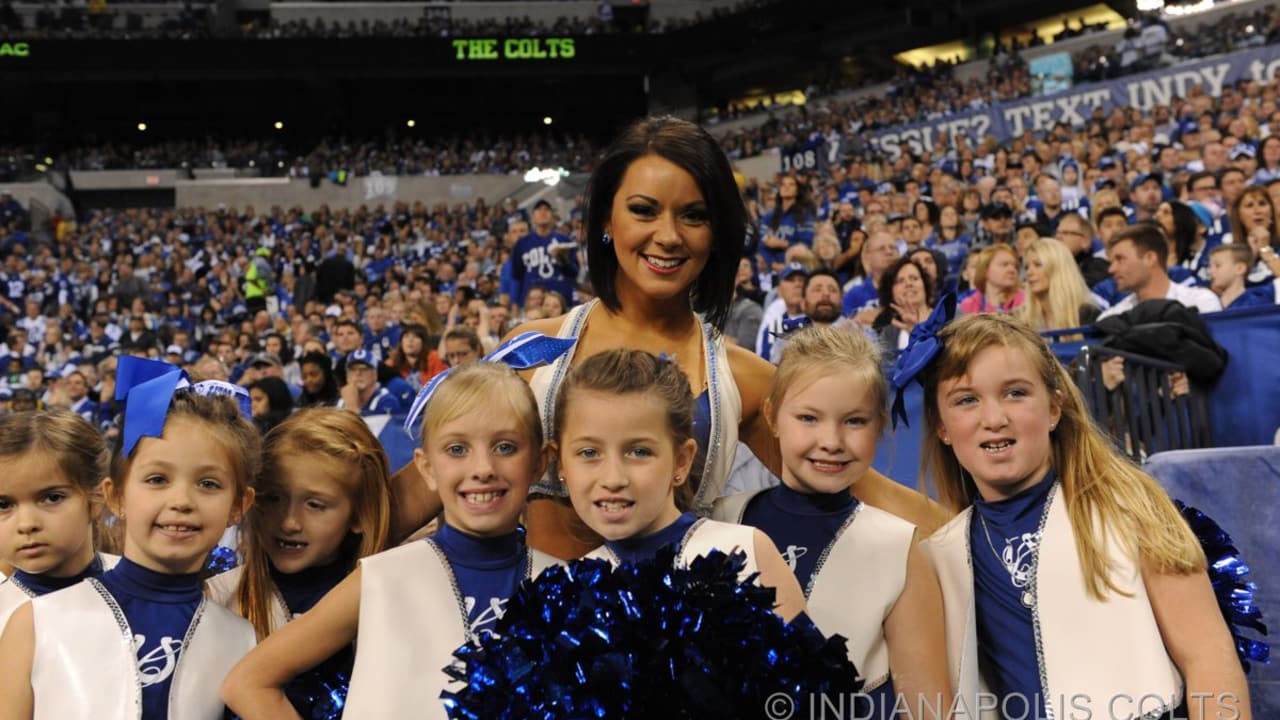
726, 408
223, 590
412, 618
85, 666
13, 594
1072, 627
857, 581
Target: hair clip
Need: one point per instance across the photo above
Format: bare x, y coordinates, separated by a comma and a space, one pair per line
923, 345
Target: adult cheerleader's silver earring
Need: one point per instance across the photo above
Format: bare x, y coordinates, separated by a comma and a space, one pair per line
604, 238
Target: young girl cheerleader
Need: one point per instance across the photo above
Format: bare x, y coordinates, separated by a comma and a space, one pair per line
322, 505
861, 571
49, 504
624, 439
141, 641
1071, 585
482, 448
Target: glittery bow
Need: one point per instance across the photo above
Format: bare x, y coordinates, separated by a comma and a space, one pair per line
147, 388
923, 345
524, 351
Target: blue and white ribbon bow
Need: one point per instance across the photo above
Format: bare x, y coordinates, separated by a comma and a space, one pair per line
792, 324
147, 387
524, 351
923, 345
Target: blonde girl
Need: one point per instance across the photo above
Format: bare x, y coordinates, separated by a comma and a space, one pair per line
49, 504
863, 575
1070, 582
322, 506
412, 606
141, 640
1057, 297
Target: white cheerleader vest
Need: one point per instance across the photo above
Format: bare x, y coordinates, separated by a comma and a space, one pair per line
224, 589
857, 581
412, 618
726, 408
1072, 627
699, 540
85, 666
13, 594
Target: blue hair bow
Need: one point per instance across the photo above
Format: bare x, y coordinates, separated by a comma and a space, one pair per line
923, 346
792, 324
148, 386
524, 351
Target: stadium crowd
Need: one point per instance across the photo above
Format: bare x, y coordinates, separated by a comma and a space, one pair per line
926, 93
1027, 226
80, 19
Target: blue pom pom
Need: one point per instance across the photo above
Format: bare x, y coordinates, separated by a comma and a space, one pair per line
647, 640
1235, 595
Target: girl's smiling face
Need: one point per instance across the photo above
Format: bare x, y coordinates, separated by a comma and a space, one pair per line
621, 463
481, 464
178, 497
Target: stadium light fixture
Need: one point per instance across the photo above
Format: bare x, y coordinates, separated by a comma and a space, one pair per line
279, 125
550, 176
546, 120
142, 127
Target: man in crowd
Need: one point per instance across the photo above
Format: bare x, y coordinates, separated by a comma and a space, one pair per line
362, 391
1138, 261
544, 257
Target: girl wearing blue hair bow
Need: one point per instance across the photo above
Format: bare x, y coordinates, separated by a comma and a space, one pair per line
141, 641
411, 607
1071, 585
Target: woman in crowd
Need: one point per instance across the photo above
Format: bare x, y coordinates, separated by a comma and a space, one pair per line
1057, 297
999, 290
414, 359
906, 297
1253, 221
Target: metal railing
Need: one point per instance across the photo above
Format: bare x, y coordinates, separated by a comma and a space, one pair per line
1147, 412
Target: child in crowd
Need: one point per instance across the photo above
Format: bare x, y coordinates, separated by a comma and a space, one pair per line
323, 505
141, 641
482, 448
1228, 274
862, 573
49, 504
1070, 581
624, 439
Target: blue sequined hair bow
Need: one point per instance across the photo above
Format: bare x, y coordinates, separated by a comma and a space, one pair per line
146, 387
524, 351
923, 345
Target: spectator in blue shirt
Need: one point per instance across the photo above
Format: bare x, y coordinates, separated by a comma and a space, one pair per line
544, 257
362, 392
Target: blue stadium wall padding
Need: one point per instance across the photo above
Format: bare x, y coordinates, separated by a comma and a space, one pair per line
898, 452
1239, 487
1244, 405
390, 432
